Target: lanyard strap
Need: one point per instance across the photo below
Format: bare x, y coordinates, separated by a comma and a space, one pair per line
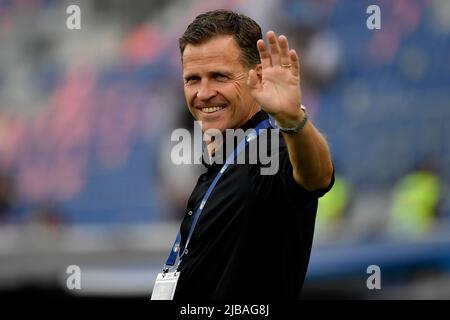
176, 246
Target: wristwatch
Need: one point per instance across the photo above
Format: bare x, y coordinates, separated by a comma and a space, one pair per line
298, 127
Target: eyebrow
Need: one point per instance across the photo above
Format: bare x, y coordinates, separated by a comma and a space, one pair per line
211, 73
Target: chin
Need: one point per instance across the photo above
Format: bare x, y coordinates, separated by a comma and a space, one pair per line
218, 123
213, 125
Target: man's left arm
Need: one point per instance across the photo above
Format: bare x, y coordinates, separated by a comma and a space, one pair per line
275, 85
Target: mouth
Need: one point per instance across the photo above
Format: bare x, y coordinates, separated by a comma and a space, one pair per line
210, 110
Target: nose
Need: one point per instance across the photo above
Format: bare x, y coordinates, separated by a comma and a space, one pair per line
205, 92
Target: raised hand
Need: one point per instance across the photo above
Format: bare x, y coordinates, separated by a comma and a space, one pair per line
277, 89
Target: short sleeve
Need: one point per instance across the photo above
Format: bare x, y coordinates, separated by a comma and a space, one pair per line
282, 184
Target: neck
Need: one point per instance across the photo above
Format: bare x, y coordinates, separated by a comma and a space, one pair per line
254, 110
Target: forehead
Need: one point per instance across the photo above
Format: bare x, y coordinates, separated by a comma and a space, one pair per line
216, 51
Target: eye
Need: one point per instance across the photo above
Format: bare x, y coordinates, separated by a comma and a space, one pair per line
221, 77
191, 79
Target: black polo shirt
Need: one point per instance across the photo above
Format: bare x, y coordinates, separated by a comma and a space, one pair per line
253, 239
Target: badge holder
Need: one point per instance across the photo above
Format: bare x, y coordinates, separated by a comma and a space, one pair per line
165, 285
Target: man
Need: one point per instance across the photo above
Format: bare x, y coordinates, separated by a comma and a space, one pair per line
254, 233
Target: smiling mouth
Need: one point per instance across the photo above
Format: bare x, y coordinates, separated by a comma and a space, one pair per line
211, 109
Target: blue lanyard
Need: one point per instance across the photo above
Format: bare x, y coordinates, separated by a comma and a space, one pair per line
176, 246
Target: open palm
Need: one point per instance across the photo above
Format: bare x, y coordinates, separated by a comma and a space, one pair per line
278, 92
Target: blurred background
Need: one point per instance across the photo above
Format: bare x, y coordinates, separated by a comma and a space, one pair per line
85, 123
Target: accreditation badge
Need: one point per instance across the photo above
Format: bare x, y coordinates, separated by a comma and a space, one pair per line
165, 285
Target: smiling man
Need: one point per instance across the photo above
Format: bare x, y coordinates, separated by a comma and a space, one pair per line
216, 87
247, 235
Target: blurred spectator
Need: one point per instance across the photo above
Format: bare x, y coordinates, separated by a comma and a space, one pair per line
321, 59
333, 207
415, 202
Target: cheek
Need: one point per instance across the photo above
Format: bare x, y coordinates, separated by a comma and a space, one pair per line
189, 95
240, 93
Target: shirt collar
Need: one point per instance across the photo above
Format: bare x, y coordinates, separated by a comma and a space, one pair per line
251, 123
255, 120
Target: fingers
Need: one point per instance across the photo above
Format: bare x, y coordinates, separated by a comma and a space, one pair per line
264, 54
274, 48
284, 50
279, 54
295, 68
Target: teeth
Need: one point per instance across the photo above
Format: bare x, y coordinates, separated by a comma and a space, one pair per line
211, 109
